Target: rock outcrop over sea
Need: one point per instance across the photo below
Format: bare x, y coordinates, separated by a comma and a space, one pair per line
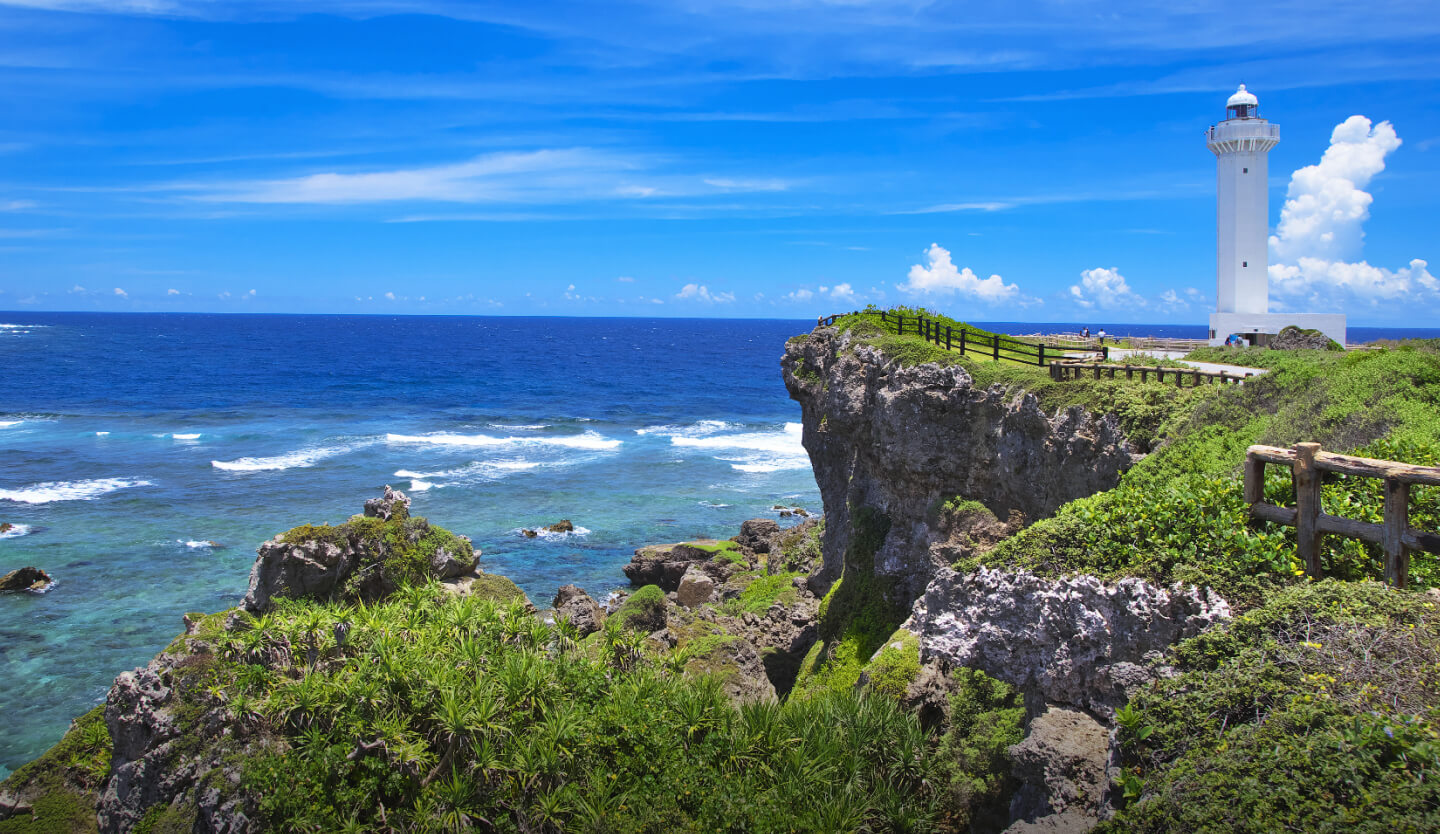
900, 437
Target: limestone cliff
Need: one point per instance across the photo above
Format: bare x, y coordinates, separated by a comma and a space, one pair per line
898, 438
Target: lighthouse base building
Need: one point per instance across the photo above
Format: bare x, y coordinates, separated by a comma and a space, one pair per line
1241, 145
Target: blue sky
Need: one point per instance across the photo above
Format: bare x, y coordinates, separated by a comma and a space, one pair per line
1040, 161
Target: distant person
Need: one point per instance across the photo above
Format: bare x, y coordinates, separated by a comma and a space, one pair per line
1085, 333
1101, 334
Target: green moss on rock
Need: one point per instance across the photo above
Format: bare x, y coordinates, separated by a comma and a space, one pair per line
892, 669
644, 610
62, 786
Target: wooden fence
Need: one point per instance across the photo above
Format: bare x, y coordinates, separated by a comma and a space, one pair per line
995, 346
1306, 462
1075, 370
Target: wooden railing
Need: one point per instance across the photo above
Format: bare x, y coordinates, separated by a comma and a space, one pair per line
995, 346
1395, 535
1075, 370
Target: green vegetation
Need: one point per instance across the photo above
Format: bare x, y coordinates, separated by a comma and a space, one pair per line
1179, 514
441, 712
856, 616
64, 782
723, 551
766, 590
892, 669
1313, 712
643, 610
987, 717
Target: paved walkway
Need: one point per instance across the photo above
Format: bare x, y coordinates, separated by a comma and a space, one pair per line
1179, 355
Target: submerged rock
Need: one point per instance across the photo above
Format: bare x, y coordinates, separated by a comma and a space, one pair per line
561, 526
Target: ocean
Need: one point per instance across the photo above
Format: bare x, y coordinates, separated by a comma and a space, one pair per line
143, 458
129, 443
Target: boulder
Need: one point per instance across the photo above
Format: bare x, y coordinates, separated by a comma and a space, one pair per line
1062, 769
528, 533
388, 505
696, 588
755, 534
1075, 640
665, 564
561, 526
25, 579
1294, 338
583, 612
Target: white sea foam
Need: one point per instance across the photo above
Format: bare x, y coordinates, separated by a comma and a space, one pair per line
542, 533
16, 531
713, 505
536, 427
418, 485
195, 544
588, 440
5, 424
701, 429
195, 436
291, 460
754, 452
68, 490
102, 434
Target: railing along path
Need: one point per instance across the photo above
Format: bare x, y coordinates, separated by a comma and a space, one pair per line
1074, 370
1306, 462
997, 347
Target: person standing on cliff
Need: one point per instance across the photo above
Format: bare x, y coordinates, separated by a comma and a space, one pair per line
1085, 333
1101, 335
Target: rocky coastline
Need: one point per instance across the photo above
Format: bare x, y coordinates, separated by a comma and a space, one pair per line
1024, 681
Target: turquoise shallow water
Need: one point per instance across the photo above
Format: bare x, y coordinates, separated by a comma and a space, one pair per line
128, 442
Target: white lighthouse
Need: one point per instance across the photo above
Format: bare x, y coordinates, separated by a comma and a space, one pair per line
1241, 145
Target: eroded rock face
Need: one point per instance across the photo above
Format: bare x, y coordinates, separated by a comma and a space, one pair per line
1076, 641
25, 579
388, 505
583, 612
1063, 774
665, 565
896, 439
156, 761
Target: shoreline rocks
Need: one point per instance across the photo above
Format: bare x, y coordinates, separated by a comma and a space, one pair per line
26, 579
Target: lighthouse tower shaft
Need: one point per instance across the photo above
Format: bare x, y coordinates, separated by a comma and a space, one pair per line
1241, 145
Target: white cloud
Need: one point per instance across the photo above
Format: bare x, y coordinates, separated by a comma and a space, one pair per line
1322, 228
389, 296
17, 205
517, 176
699, 292
121, 293
941, 277
77, 288
747, 185
1326, 206
625, 279
801, 294
1104, 288
1317, 279
843, 292
172, 291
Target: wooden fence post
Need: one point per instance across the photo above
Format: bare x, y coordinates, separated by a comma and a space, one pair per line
949, 331
1041, 361
995, 342
1307, 506
1254, 479
1397, 519
962, 342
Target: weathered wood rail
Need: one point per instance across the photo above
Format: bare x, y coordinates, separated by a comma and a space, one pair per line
945, 336
1394, 535
1060, 371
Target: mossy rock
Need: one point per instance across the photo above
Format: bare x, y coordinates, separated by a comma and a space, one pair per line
491, 586
644, 610
63, 786
894, 667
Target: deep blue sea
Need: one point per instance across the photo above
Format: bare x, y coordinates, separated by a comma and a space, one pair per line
128, 442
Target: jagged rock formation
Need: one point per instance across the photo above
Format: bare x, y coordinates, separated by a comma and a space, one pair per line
25, 579
583, 612
1061, 765
895, 438
362, 559
1075, 641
